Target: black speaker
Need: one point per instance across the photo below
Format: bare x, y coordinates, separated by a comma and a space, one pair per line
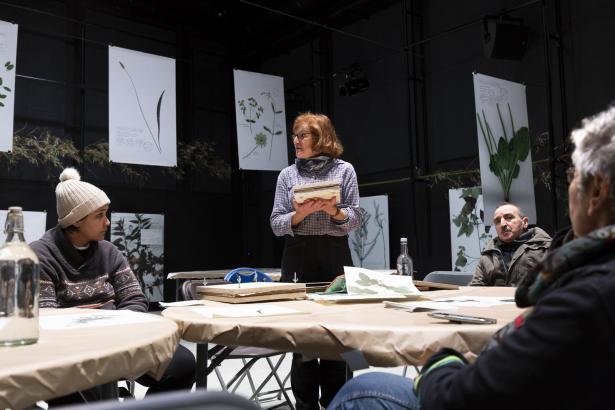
504, 38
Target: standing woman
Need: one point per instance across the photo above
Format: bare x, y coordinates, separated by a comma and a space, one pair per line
316, 237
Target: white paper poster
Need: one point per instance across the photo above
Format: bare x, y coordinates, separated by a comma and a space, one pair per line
468, 235
142, 121
8, 58
34, 225
261, 121
369, 244
504, 145
140, 237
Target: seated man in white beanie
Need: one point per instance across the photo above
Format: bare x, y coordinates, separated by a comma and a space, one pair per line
78, 268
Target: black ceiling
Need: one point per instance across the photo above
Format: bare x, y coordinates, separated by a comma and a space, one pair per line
267, 26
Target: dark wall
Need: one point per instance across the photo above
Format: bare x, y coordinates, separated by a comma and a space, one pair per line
419, 109
62, 88
416, 118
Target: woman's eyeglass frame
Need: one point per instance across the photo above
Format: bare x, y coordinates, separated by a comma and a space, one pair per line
301, 136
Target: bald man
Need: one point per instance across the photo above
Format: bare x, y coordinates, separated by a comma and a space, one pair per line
517, 249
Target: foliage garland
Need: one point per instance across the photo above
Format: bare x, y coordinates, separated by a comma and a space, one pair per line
40, 147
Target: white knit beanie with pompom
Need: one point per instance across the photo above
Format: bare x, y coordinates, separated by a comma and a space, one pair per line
76, 199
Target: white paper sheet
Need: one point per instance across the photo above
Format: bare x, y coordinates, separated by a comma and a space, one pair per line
182, 303
142, 118
361, 281
261, 121
8, 57
451, 303
248, 310
94, 319
34, 225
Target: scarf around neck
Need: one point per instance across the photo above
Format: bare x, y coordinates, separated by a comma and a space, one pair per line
314, 164
567, 257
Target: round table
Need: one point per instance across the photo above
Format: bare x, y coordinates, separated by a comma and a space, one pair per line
81, 348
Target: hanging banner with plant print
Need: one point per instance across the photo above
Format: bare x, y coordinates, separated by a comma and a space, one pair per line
468, 232
261, 121
369, 244
8, 56
142, 120
504, 145
140, 237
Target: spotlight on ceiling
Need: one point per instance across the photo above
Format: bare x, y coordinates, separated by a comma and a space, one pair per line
504, 38
355, 83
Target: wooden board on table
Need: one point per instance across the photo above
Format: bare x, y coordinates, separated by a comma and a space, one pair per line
423, 285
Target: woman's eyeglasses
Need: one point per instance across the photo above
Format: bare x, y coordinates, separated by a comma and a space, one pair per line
300, 136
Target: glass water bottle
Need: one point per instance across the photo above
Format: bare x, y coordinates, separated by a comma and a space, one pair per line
404, 261
19, 285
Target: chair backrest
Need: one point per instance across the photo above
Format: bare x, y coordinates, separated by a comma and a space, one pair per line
247, 275
450, 277
179, 400
188, 289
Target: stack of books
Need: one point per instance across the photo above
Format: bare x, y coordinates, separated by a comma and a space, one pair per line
252, 292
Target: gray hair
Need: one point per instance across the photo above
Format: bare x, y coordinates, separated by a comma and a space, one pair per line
594, 150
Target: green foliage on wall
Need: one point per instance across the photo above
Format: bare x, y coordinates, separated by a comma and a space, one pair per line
39, 147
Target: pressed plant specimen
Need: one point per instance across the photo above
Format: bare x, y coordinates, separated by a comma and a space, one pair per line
361, 243
156, 138
146, 265
469, 220
251, 112
8, 66
272, 131
505, 153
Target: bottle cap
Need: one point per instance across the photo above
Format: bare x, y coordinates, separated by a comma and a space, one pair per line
404, 240
14, 219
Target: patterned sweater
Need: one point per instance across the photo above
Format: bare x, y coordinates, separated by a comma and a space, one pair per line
99, 275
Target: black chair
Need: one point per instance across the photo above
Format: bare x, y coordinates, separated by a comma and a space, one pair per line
249, 356
449, 277
180, 400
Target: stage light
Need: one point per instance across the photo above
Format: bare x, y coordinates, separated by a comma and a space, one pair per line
355, 81
354, 86
504, 38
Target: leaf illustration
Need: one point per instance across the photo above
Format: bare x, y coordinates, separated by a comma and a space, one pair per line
516, 171
134, 88
521, 142
7, 88
158, 115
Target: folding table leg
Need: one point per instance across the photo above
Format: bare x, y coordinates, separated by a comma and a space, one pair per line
202, 357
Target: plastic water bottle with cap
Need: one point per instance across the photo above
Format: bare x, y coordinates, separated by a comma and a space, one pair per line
404, 261
19, 285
